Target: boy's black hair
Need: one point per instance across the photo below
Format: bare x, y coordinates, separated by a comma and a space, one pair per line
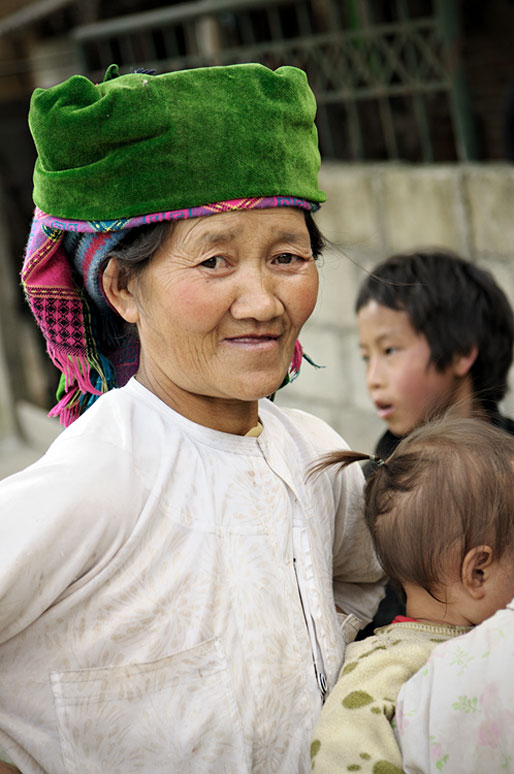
456, 306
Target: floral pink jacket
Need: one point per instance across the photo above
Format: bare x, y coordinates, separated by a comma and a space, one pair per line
456, 715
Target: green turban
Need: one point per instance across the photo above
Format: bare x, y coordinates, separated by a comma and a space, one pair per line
139, 143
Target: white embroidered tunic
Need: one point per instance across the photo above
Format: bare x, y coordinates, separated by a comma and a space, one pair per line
166, 593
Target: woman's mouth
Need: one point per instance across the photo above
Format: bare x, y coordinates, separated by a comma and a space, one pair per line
253, 342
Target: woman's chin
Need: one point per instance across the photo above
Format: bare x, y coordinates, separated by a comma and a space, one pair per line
254, 389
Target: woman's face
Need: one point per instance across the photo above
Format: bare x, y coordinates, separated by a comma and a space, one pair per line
219, 308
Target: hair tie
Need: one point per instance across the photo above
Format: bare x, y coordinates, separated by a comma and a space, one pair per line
378, 461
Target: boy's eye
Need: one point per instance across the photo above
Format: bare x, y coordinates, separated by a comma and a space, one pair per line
390, 350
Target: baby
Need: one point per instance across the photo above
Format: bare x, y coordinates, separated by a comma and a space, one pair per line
441, 513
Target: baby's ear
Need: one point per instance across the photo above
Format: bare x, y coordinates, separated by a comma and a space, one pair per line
475, 570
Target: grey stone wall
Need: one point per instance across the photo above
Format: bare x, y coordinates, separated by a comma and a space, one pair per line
372, 211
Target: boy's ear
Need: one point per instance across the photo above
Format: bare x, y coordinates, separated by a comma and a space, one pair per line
119, 297
475, 570
462, 363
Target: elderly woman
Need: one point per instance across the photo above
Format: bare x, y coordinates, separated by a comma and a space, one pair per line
169, 573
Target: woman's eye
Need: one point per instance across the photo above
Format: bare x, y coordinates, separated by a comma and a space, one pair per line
286, 259
216, 262
390, 350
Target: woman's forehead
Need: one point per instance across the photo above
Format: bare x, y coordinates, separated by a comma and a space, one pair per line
280, 223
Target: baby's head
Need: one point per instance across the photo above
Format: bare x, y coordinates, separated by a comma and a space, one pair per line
435, 331
441, 513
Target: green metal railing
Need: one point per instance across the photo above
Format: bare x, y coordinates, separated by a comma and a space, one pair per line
387, 75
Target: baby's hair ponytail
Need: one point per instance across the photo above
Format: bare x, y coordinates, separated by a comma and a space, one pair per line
343, 459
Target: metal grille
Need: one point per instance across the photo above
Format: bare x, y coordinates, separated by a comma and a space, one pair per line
386, 75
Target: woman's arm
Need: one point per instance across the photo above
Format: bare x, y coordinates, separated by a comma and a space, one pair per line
358, 578
62, 518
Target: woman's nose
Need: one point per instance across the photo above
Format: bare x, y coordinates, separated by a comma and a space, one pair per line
256, 298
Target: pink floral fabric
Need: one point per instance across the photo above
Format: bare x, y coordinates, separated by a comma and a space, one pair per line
456, 715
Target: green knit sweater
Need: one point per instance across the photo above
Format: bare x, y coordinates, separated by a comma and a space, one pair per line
354, 731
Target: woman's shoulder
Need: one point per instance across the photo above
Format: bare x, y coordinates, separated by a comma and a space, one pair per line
96, 447
120, 419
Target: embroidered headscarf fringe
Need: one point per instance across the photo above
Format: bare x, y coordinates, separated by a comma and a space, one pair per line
68, 408
76, 370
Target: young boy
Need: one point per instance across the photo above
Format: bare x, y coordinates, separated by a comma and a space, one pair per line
435, 331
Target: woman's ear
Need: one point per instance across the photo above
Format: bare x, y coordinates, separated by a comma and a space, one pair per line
119, 296
462, 363
476, 569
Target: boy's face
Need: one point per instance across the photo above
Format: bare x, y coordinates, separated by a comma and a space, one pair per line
402, 382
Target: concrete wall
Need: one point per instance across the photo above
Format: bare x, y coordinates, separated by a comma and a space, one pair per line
372, 211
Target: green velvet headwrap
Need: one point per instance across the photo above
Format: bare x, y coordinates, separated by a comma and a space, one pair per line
138, 143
